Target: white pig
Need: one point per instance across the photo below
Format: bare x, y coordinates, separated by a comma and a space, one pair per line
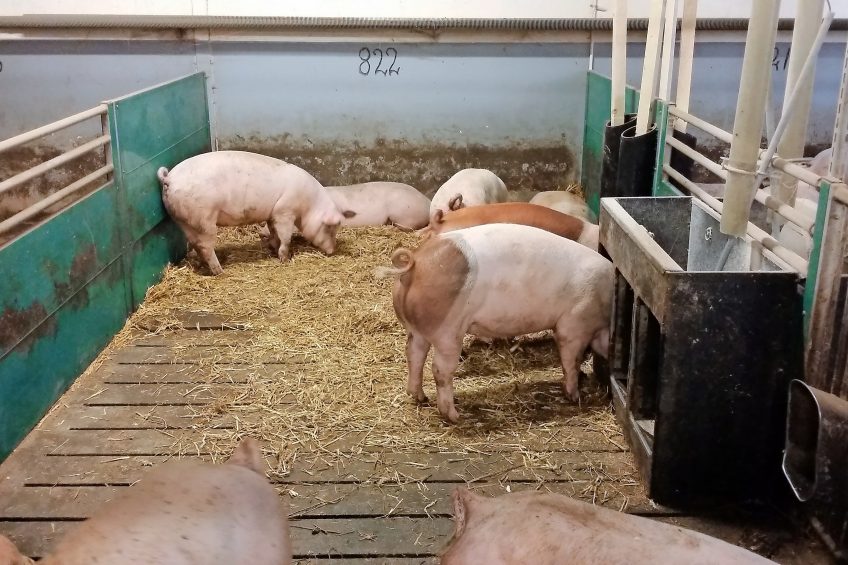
562, 201
498, 281
535, 528
469, 187
187, 513
9, 554
234, 188
381, 203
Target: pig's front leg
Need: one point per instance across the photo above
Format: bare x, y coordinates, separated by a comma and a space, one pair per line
417, 348
282, 229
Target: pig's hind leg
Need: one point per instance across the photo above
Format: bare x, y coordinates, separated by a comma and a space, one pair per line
203, 241
572, 342
445, 361
417, 348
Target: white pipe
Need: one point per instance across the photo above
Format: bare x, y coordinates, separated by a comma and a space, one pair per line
649, 68
669, 39
799, 84
748, 123
761, 196
687, 58
619, 62
793, 99
51, 128
767, 241
702, 125
42, 205
38, 170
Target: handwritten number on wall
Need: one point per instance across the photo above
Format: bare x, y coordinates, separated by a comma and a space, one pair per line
380, 57
780, 59
1, 66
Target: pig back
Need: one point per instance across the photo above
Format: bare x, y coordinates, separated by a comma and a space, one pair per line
185, 513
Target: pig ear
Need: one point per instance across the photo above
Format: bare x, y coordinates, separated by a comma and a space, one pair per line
455, 203
437, 217
348, 214
248, 454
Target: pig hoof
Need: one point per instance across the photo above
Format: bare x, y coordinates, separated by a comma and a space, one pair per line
452, 416
216, 271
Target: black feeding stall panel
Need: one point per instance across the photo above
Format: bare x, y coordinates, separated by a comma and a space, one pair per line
700, 358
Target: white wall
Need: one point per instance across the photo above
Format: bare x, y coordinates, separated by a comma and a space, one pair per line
384, 8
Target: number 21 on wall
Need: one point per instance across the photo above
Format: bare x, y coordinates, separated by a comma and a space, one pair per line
368, 56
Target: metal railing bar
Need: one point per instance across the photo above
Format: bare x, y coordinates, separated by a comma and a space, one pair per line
42, 205
51, 128
39, 170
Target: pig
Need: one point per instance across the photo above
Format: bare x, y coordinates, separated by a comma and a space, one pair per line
233, 188
9, 554
469, 187
498, 281
381, 203
187, 513
515, 213
536, 528
562, 201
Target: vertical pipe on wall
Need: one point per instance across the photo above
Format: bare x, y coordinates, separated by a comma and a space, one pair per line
748, 123
619, 62
839, 158
649, 69
687, 58
669, 39
791, 145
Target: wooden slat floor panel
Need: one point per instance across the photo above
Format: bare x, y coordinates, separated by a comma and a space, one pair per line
139, 409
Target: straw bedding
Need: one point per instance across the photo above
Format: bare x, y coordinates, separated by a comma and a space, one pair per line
346, 383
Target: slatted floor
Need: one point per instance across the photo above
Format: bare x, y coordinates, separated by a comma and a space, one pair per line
119, 421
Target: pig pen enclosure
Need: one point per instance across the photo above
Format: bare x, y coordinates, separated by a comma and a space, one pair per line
308, 357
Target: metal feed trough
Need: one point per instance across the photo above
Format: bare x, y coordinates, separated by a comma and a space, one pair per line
700, 357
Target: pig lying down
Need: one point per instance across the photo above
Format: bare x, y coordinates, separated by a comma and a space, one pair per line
515, 213
9, 554
498, 281
380, 204
235, 188
562, 201
535, 528
187, 513
469, 187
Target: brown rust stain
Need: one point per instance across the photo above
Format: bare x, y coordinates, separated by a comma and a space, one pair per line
82, 269
523, 167
16, 323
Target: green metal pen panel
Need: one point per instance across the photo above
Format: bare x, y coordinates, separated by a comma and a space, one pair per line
598, 103
69, 283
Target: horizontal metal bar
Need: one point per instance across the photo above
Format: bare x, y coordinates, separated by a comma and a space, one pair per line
432, 25
51, 128
839, 192
42, 205
38, 170
795, 261
698, 157
796, 171
761, 196
714, 131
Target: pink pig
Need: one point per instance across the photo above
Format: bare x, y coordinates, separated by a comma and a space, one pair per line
381, 203
498, 281
234, 188
469, 187
183, 513
536, 528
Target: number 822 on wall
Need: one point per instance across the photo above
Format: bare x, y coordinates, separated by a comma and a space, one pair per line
378, 62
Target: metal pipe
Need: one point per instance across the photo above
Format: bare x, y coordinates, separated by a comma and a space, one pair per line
619, 62
649, 68
425, 25
702, 125
748, 123
767, 241
798, 84
687, 58
839, 159
760, 195
38, 170
669, 39
798, 89
42, 205
51, 128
